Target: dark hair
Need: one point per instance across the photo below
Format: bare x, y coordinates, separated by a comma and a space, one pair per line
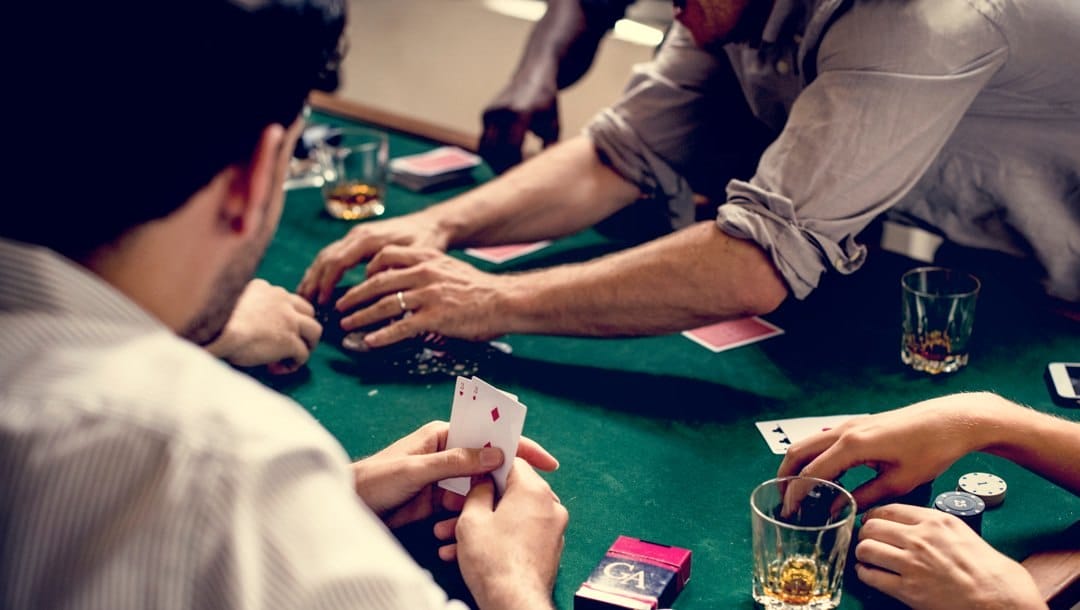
142, 102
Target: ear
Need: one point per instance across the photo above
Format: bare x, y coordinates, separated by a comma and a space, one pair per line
251, 184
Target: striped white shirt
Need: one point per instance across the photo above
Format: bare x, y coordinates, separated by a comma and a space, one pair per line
136, 471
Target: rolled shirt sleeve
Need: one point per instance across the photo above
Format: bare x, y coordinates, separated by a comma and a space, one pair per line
893, 84
654, 133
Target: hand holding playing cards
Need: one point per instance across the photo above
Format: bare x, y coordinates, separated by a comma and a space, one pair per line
398, 483
361, 243
444, 295
270, 326
907, 447
930, 560
508, 552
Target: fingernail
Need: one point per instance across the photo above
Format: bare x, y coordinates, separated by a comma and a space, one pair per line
490, 456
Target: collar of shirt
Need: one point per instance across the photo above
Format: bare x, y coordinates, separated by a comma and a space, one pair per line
795, 27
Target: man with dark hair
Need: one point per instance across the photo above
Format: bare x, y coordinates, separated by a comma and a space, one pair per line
960, 116
136, 471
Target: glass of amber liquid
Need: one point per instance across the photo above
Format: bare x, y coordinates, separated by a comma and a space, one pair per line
354, 171
802, 530
938, 314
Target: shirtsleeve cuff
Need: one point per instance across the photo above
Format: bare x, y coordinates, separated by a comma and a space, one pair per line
801, 255
619, 147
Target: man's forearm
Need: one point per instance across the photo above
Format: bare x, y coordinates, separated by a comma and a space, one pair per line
694, 277
1046, 445
560, 192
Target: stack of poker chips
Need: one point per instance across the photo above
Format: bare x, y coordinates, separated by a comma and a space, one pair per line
961, 504
975, 492
988, 487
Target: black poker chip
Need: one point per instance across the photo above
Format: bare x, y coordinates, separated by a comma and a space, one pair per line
967, 507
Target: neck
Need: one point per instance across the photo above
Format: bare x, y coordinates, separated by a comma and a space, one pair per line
166, 266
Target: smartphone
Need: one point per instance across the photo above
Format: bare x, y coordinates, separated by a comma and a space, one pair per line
1063, 378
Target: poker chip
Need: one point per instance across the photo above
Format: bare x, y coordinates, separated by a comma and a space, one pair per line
967, 507
991, 488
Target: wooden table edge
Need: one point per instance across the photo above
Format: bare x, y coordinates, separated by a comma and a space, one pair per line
349, 109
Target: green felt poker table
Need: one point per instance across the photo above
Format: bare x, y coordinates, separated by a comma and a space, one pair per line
656, 435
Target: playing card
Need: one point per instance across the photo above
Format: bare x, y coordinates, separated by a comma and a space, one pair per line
438, 161
733, 333
484, 416
465, 395
501, 254
509, 395
782, 433
505, 421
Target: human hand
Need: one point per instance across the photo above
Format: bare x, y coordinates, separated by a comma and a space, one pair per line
508, 552
360, 244
270, 326
930, 560
398, 483
444, 295
907, 447
520, 108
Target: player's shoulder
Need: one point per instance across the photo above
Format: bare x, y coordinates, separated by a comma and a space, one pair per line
164, 386
912, 36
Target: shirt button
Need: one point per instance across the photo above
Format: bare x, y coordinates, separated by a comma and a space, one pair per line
783, 67
797, 38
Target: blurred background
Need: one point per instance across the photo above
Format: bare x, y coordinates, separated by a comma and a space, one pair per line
442, 61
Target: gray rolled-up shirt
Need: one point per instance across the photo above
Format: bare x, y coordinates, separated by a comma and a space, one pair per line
961, 115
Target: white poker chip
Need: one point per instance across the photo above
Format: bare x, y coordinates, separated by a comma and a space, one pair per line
991, 488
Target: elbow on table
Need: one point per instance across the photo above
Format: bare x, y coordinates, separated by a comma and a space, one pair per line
766, 295
761, 287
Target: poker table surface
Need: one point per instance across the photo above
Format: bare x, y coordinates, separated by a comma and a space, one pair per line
656, 435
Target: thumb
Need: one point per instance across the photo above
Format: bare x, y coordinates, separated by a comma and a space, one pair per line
481, 497
458, 462
875, 490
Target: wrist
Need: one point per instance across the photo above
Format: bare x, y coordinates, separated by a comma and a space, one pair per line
515, 303
444, 225
224, 344
539, 84
1017, 432
516, 596
998, 421
537, 74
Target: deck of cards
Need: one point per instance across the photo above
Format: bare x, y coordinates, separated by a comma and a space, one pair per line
482, 415
444, 166
733, 333
635, 574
